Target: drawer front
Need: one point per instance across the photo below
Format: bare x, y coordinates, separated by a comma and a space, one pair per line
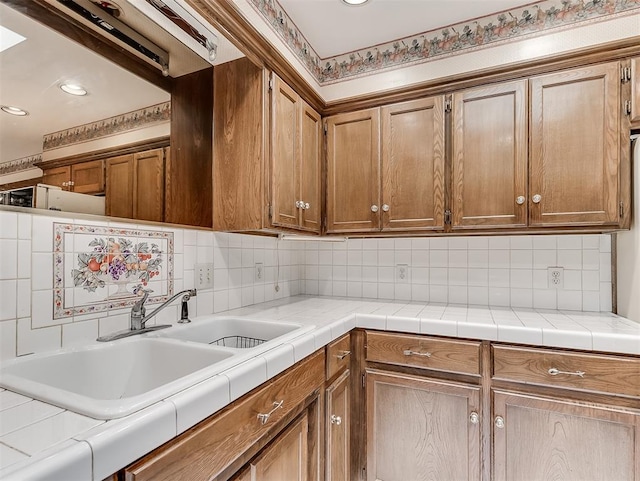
207, 449
584, 372
424, 352
338, 355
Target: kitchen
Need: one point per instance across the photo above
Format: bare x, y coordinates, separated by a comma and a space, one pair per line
505, 274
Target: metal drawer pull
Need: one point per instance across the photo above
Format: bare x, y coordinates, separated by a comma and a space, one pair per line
409, 352
337, 420
554, 372
343, 354
265, 417
474, 417
499, 422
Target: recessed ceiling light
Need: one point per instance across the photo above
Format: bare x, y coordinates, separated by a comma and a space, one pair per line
73, 89
355, 2
14, 110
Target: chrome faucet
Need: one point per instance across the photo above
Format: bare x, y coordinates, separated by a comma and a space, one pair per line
139, 317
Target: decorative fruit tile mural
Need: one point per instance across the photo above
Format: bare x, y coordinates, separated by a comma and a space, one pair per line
99, 268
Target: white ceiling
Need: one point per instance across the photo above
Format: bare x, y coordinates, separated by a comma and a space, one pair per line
332, 27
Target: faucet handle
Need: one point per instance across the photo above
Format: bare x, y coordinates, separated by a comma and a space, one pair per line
139, 304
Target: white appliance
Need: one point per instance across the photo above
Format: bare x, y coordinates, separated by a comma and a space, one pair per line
52, 197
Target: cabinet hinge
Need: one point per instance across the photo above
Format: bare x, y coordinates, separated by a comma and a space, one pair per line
364, 474
621, 209
325, 128
448, 104
271, 81
363, 380
270, 211
447, 216
627, 107
625, 74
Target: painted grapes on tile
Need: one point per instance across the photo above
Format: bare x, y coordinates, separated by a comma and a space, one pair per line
100, 268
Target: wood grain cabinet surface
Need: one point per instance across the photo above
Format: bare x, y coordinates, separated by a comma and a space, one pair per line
296, 147
635, 90
82, 177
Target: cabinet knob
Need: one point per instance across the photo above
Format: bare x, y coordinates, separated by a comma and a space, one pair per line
385, 208
536, 198
374, 208
298, 204
337, 420
474, 417
306, 206
499, 422
520, 200
263, 418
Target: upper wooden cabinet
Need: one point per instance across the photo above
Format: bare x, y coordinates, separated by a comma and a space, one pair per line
489, 161
82, 177
296, 147
635, 90
574, 147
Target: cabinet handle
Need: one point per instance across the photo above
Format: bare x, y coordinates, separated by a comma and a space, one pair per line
520, 200
536, 198
374, 208
499, 422
385, 208
343, 354
265, 417
409, 352
554, 372
474, 417
337, 420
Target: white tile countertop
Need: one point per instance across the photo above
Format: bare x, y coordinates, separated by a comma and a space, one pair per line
41, 441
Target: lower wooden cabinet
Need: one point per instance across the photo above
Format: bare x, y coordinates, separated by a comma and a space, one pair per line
419, 428
537, 438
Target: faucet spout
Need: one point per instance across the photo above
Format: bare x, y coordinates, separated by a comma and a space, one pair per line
188, 293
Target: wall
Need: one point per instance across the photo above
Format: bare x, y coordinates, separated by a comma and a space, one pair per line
27, 259
628, 255
486, 271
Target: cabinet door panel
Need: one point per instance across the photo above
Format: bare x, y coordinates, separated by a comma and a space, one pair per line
490, 156
285, 145
574, 135
88, 177
545, 439
119, 186
59, 176
338, 424
149, 185
635, 89
413, 165
286, 458
419, 429
353, 172
310, 168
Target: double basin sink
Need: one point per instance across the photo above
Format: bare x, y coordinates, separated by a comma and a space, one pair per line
114, 379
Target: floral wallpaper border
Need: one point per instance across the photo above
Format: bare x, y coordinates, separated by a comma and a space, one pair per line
134, 120
18, 165
68, 237
532, 20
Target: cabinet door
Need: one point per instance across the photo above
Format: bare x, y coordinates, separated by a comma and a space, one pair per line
353, 172
489, 167
148, 197
311, 169
542, 439
285, 154
420, 428
59, 176
337, 446
286, 458
88, 177
413, 165
574, 146
119, 186
635, 89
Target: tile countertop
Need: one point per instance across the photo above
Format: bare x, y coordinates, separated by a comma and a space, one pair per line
41, 441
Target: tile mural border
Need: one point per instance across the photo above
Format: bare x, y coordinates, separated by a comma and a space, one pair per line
535, 19
59, 270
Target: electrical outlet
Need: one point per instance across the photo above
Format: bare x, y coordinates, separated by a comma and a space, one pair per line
402, 273
556, 277
259, 271
204, 276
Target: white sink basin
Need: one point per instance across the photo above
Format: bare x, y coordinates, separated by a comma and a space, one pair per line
235, 332
114, 379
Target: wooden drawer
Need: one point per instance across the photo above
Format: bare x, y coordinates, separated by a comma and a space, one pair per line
583, 372
338, 355
208, 448
424, 352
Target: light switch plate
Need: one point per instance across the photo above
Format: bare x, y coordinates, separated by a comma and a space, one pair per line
204, 276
